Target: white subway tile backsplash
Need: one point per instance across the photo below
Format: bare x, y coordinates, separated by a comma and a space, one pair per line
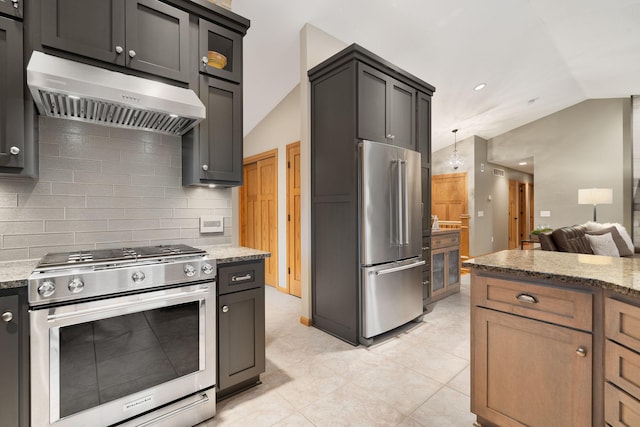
102, 187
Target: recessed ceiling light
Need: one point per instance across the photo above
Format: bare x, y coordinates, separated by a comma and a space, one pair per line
522, 163
480, 86
212, 186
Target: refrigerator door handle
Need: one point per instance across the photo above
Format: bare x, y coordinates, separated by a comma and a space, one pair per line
405, 203
402, 267
400, 205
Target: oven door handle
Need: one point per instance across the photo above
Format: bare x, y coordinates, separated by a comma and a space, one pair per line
130, 307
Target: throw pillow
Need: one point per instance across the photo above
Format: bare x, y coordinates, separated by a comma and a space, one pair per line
595, 226
623, 249
603, 244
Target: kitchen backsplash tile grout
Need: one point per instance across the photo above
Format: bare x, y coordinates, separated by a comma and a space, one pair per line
105, 187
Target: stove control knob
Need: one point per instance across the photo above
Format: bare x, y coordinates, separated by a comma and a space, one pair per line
138, 276
207, 268
76, 285
47, 288
189, 270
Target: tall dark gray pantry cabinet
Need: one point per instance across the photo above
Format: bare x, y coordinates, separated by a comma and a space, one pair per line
165, 40
357, 95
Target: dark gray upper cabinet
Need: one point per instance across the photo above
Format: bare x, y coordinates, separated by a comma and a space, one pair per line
145, 35
424, 128
12, 149
228, 43
386, 108
13, 8
212, 153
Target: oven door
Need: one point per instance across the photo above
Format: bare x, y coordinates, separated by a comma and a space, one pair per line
115, 358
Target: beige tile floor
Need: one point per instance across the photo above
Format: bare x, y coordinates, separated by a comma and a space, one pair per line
419, 376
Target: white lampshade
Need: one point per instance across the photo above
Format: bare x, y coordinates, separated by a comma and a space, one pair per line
595, 196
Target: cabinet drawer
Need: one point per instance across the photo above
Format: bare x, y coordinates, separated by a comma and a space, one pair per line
620, 409
445, 241
622, 367
622, 323
550, 304
240, 276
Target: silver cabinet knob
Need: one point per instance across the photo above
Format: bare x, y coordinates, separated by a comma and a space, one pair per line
138, 276
189, 270
76, 285
119, 50
46, 288
15, 3
205, 167
205, 60
7, 316
132, 53
14, 150
207, 268
225, 308
581, 351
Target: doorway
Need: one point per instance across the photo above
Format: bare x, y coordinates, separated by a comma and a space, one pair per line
259, 209
520, 212
294, 253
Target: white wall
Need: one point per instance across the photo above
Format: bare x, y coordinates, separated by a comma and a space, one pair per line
586, 145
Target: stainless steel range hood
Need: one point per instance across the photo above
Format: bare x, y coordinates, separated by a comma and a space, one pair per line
71, 90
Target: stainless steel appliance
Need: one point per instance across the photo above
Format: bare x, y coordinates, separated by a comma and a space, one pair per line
390, 231
123, 336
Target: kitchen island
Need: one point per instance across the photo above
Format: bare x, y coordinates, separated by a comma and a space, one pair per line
555, 339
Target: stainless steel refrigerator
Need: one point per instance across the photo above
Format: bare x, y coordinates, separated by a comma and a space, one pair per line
390, 201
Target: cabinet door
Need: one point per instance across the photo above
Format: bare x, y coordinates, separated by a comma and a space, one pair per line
228, 43
372, 104
11, 96
453, 267
529, 373
9, 355
10, 8
241, 353
401, 115
157, 39
438, 271
425, 175
221, 132
91, 28
424, 128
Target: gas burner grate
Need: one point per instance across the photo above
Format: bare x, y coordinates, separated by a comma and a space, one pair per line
129, 253
80, 257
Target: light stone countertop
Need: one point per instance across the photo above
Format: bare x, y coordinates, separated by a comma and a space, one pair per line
617, 274
14, 274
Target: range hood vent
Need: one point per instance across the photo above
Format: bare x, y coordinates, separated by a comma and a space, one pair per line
67, 89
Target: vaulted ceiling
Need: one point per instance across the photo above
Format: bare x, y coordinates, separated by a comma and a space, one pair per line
535, 56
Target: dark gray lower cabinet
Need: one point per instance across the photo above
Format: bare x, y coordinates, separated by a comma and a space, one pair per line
9, 361
241, 326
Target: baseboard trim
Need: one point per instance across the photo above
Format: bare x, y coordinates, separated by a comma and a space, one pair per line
305, 321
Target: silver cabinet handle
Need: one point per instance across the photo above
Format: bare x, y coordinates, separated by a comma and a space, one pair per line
425, 248
225, 308
240, 278
14, 150
529, 299
119, 50
132, 53
7, 316
581, 351
425, 282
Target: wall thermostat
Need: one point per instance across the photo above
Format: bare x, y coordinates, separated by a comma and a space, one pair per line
211, 224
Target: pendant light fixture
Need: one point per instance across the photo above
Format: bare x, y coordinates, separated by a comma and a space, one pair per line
455, 162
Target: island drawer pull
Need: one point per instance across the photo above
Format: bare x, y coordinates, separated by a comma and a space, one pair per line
529, 299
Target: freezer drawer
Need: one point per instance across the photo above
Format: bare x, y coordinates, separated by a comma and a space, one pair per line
391, 296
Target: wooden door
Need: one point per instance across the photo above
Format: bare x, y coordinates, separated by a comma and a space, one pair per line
527, 372
294, 254
523, 216
513, 215
259, 210
449, 196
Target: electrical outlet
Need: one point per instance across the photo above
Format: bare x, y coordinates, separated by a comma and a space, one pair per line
545, 213
480, 213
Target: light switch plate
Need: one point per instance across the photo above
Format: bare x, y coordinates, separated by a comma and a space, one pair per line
545, 213
211, 224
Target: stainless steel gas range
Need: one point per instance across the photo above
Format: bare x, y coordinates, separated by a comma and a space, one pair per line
123, 336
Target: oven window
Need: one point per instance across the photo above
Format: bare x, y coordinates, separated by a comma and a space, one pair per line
107, 359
